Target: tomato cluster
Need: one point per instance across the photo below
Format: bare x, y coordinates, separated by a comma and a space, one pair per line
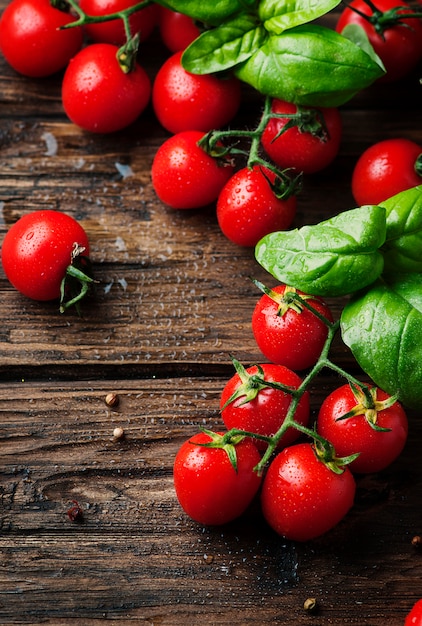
304, 473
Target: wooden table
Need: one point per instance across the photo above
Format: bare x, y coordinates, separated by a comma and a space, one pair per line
173, 301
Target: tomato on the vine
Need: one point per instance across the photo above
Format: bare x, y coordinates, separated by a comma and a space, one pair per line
31, 38
142, 22
395, 39
184, 101
177, 30
250, 402
414, 617
248, 207
376, 429
286, 331
307, 139
98, 95
302, 498
38, 249
385, 169
208, 486
184, 175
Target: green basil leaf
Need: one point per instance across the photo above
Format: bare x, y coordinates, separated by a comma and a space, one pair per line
310, 65
281, 15
382, 327
223, 47
208, 11
333, 258
358, 36
403, 246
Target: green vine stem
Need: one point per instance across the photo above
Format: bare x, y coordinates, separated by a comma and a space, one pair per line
289, 422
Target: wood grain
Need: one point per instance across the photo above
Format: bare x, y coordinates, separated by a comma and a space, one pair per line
172, 303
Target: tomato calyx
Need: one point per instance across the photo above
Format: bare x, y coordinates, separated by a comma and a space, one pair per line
368, 405
126, 54
76, 281
325, 452
291, 299
252, 384
418, 165
383, 20
306, 120
227, 442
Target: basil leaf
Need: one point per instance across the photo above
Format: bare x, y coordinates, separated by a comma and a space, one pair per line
209, 11
310, 65
403, 246
279, 16
333, 258
382, 327
225, 46
358, 36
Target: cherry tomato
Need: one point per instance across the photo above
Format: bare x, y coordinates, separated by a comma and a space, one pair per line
414, 618
37, 251
286, 331
31, 40
184, 101
248, 207
301, 497
385, 169
259, 408
98, 96
360, 433
184, 176
177, 30
399, 45
209, 489
113, 31
310, 144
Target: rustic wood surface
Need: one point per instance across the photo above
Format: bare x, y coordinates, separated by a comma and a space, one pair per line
173, 301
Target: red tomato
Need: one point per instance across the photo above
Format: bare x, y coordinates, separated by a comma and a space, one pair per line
399, 45
31, 40
37, 251
259, 408
301, 497
308, 146
208, 487
113, 31
385, 169
177, 30
414, 618
184, 101
377, 448
98, 96
248, 208
287, 332
184, 176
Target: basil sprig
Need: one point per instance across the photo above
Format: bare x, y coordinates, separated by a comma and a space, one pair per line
374, 255
271, 45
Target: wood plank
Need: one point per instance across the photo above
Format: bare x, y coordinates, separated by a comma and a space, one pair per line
137, 557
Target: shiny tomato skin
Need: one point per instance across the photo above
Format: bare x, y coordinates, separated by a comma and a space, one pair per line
301, 497
267, 411
399, 47
31, 40
177, 30
37, 250
208, 487
302, 151
293, 339
414, 617
248, 209
184, 101
385, 169
184, 176
142, 22
98, 96
376, 449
